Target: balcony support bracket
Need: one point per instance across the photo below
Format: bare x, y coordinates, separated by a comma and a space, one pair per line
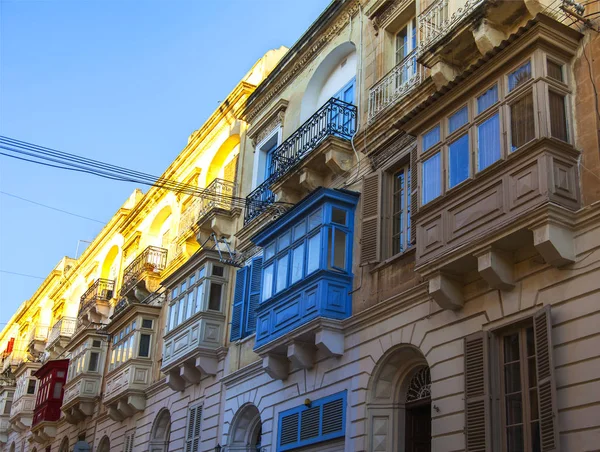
136, 403
446, 291
310, 180
487, 36
174, 381
208, 365
442, 73
190, 374
496, 268
115, 414
338, 161
330, 342
276, 366
301, 355
555, 243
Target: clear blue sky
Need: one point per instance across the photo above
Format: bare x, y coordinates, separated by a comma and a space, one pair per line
123, 81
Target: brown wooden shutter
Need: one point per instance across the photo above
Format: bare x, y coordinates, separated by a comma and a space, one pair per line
542, 333
477, 393
414, 196
371, 219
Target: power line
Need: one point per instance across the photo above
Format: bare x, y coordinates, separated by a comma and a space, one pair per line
51, 208
21, 274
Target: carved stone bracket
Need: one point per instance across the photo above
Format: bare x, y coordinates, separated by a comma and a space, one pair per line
446, 290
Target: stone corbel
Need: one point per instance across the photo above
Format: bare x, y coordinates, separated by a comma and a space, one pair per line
207, 365
124, 408
86, 408
301, 355
487, 36
555, 243
137, 403
190, 374
443, 73
338, 161
114, 414
446, 290
174, 381
276, 366
221, 226
496, 268
330, 342
310, 180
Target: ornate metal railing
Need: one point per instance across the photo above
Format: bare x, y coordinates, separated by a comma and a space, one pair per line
217, 195
101, 290
38, 333
334, 118
152, 259
155, 299
64, 327
438, 20
395, 84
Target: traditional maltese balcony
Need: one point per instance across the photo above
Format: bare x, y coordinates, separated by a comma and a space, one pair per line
38, 337
51, 377
94, 304
395, 85
142, 276
59, 336
312, 156
13, 355
21, 412
7, 391
298, 318
196, 323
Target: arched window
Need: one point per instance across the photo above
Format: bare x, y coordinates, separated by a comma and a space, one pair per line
64, 445
161, 432
104, 445
246, 431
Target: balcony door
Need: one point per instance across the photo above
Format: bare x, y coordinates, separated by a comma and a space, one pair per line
341, 118
406, 43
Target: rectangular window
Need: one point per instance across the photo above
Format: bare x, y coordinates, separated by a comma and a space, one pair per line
269, 251
314, 253
181, 311
339, 249
284, 241
316, 219
172, 316
31, 387
431, 138
522, 127
458, 119
297, 263
190, 304
144, 351
93, 364
214, 298
558, 116
267, 283
432, 168
487, 99
520, 76
555, 70
192, 434
282, 271
57, 390
401, 210
199, 297
488, 142
338, 216
458, 156
300, 230
146, 323
218, 270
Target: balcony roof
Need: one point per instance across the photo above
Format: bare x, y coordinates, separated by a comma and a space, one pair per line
198, 258
50, 365
317, 197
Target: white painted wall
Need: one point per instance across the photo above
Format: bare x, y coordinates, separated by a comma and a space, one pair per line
341, 74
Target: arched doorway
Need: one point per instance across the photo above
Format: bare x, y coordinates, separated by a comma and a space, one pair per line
246, 430
104, 445
161, 432
12, 447
399, 402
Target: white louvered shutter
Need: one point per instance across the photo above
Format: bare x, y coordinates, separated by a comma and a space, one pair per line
477, 393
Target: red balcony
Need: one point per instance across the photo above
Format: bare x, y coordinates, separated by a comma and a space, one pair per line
52, 376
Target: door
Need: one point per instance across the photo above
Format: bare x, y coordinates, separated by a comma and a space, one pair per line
342, 118
418, 427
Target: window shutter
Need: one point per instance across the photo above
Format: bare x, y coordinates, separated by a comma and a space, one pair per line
477, 393
239, 297
254, 293
371, 219
542, 334
192, 439
310, 422
333, 417
197, 425
289, 429
414, 197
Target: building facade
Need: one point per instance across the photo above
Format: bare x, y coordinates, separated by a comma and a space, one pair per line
385, 239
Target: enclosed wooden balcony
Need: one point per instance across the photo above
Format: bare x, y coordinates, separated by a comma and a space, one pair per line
21, 412
51, 379
60, 334
94, 304
142, 276
7, 391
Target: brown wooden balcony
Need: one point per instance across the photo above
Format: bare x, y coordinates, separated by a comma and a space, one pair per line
142, 276
94, 304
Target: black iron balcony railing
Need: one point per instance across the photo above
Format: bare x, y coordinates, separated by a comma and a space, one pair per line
155, 298
101, 290
152, 259
334, 118
218, 195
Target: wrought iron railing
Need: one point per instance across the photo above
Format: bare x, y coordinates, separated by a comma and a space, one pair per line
38, 333
155, 299
64, 327
334, 118
153, 259
438, 20
217, 195
101, 290
395, 85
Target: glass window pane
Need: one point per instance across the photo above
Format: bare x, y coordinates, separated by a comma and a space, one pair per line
338, 216
181, 311
519, 76
282, 271
458, 119
339, 249
314, 253
144, 345
458, 154
174, 293
284, 241
93, 365
555, 70
218, 270
488, 142
299, 230
522, 126
172, 316
269, 251
512, 378
199, 297
192, 278
183, 286
514, 439
315, 219
267, 284
399, 208
190, 304
297, 263
511, 348
202, 273
432, 187
214, 297
558, 117
514, 409
431, 138
146, 323
487, 99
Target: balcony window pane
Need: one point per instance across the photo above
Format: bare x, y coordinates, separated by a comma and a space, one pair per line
431, 138
183, 286
172, 316
488, 142
338, 216
31, 387
199, 293
57, 390
181, 311
218, 270
133, 325
190, 303
520, 76
522, 127
487, 99
174, 293
558, 117
315, 219
314, 253
297, 263
458, 154
458, 119
339, 249
192, 278
144, 351
267, 285
93, 365
555, 70
202, 273
432, 187
269, 251
299, 230
214, 298
146, 323
282, 271
130, 348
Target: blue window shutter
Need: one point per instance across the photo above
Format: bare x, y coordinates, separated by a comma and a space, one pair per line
254, 293
239, 300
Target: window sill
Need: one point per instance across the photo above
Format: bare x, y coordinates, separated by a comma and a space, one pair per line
395, 259
245, 339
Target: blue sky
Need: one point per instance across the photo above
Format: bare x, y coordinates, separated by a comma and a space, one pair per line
122, 81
